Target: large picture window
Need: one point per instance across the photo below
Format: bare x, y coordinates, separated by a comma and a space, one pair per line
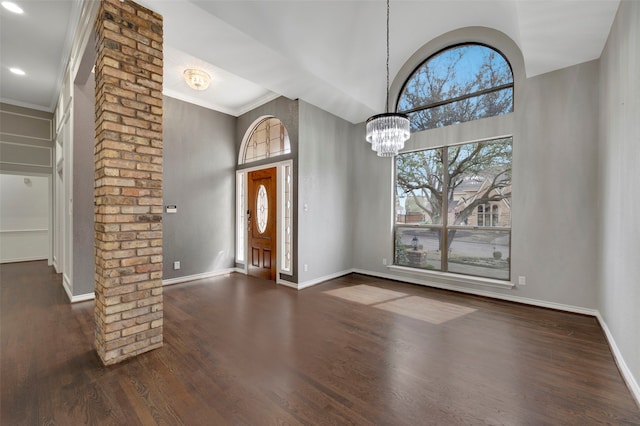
453, 209
459, 84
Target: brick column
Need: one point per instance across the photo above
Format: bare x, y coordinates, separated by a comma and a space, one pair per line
128, 181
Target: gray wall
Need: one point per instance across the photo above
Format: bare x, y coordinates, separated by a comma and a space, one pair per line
554, 227
619, 175
555, 160
26, 141
199, 177
83, 182
325, 199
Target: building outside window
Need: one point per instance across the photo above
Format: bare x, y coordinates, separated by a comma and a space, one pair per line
453, 203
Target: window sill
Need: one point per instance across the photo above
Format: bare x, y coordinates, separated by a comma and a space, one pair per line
453, 278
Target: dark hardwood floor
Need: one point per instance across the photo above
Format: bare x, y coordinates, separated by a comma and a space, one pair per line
355, 350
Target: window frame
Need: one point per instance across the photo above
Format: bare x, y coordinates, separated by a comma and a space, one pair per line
445, 227
269, 156
475, 94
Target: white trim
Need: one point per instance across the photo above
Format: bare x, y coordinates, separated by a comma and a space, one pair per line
282, 209
91, 296
47, 148
466, 279
50, 224
315, 281
287, 283
195, 277
23, 259
67, 287
265, 166
268, 97
518, 299
280, 212
626, 373
236, 112
12, 231
62, 121
240, 224
245, 138
82, 297
37, 118
26, 105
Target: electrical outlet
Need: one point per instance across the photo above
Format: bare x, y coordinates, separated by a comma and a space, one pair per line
176, 265
384, 261
522, 280
305, 267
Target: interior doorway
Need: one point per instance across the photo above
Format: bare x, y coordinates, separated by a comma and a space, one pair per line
262, 223
25, 217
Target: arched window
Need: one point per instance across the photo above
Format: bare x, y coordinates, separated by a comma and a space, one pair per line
458, 84
495, 216
267, 139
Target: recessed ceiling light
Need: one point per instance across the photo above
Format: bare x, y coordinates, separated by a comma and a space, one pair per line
12, 7
17, 71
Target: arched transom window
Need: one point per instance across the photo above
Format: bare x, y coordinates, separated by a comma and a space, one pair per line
269, 138
461, 83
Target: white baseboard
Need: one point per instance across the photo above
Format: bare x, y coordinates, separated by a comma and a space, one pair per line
477, 292
316, 281
91, 296
202, 276
83, 297
23, 259
286, 283
75, 299
627, 375
67, 287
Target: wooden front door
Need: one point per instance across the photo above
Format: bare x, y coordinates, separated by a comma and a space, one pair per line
262, 223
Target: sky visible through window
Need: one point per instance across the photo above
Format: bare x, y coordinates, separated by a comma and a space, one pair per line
467, 75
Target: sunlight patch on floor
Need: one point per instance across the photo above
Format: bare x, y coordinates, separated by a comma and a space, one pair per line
365, 294
423, 309
416, 307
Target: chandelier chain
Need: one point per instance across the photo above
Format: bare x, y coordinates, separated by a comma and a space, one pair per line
386, 105
387, 132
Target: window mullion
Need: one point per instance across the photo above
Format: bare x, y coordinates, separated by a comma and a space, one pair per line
445, 209
459, 98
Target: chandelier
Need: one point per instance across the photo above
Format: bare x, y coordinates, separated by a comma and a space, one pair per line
387, 132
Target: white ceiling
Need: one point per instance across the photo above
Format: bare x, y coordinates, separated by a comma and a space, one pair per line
329, 53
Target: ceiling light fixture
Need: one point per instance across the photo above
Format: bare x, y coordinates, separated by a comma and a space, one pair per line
197, 79
12, 7
388, 132
17, 71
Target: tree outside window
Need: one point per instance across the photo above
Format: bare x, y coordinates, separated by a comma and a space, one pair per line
459, 84
453, 204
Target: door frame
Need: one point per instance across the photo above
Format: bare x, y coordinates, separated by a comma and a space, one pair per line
241, 217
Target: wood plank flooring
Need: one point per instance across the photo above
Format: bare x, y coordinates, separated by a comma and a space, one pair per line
239, 350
